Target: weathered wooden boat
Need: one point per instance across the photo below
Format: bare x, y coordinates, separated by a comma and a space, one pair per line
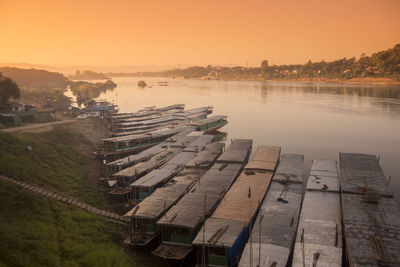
274, 231
149, 123
144, 231
371, 217
180, 225
130, 144
195, 111
127, 176
146, 112
131, 174
120, 164
180, 121
223, 236
146, 185
319, 234
210, 124
202, 111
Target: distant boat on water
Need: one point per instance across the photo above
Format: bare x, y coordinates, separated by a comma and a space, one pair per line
142, 84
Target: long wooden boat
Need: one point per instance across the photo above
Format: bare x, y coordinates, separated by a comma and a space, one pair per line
148, 123
131, 144
144, 231
210, 124
180, 225
146, 112
223, 236
120, 164
145, 186
181, 113
127, 176
179, 121
319, 234
371, 217
273, 235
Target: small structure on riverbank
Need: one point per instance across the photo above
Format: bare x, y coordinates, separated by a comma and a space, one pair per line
16, 114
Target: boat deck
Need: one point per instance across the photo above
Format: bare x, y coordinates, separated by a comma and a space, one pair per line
320, 228
370, 215
275, 228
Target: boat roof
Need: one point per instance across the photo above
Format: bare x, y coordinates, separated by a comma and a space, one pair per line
278, 226
323, 176
150, 122
189, 212
266, 158
185, 141
153, 206
362, 221
174, 106
199, 143
146, 112
320, 217
249, 189
207, 156
218, 179
219, 232
209, 120
154, 177
162, 199
133, 159
151, 164
148, 135
181, 159
361, 170
195, 111
150, 117
290, 169
179, 137
238, 151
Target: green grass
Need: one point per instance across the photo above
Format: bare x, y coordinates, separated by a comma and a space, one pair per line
54, 163
36, 231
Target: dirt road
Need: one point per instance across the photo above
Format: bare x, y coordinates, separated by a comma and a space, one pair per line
36, 127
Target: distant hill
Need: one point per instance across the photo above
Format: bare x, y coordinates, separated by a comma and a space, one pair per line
88, 75
33, 78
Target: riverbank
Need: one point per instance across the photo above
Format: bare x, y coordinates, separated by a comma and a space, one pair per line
373, 81
38, 231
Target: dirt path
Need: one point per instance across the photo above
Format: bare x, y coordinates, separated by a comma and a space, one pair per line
66, 199
36, 127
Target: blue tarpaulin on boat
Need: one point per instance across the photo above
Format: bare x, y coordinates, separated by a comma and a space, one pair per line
236, 250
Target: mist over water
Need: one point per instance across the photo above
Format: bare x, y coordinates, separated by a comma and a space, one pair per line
317, 120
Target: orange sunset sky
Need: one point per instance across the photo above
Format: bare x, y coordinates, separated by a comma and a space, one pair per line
172, 32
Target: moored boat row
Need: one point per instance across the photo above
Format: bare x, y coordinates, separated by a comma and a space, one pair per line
146, 214
195, 209
223, 235
180, 225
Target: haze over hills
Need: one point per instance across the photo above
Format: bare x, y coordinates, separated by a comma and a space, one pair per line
70, 69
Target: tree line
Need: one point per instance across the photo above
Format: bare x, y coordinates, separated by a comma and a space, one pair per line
383, 64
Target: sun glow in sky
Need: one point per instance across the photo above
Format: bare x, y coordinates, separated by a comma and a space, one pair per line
188, 32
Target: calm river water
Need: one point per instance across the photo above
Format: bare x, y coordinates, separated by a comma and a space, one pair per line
317, 120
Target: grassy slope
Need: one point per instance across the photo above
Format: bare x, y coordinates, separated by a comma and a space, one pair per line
54, 162
36, 231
